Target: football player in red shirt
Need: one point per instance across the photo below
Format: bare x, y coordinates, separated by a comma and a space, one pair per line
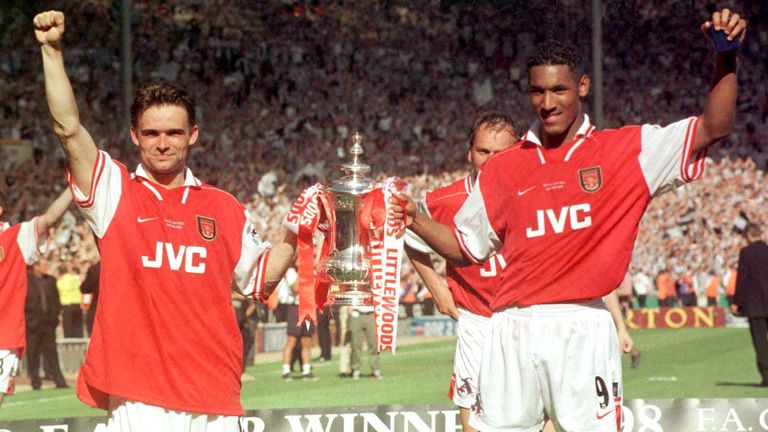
469, 290
467, 295
21, 245
567, 203
166, 351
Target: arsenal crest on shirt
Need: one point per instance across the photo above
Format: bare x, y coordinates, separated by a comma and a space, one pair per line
590, 179
207, 227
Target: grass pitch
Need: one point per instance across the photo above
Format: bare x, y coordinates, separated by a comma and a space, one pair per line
683, 363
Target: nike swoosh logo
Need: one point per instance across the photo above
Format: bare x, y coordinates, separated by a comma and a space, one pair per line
600, 417
142, 220
523, 192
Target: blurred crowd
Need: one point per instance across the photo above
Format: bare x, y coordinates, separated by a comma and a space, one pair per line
281, 86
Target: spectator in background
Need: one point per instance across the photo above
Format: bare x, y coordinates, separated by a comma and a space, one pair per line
713, 288
362, 326
665, 287
731, 276
408, 297
643, 285
686, 290
324, 335
41, 312
245, 311
426, 300
298, 334
345, 348
90, 288
68, 285
751, 296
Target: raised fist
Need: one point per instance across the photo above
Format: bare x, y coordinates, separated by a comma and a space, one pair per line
49, 26
732, 24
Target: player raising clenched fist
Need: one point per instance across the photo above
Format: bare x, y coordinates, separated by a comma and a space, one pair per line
564, 207
166, 348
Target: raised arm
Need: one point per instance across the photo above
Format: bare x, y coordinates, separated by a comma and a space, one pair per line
438, 236
77, 143
46, 220
280, 259
716, 122
436, 285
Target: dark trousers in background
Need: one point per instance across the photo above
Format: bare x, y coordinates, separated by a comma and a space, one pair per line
43, 342
428, 307
758, 327
72, 320
324, 333
90, 315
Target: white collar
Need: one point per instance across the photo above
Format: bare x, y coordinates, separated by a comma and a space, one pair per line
533, 137
189, 178
584, 132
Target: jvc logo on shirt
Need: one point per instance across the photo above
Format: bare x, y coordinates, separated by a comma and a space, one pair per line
575, 216
192, 258
489, 270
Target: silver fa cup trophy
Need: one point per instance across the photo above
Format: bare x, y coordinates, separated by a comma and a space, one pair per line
347, 268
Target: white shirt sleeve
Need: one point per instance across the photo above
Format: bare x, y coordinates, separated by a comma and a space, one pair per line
474, 232
32, 248
665, 156
250, 272
100, 204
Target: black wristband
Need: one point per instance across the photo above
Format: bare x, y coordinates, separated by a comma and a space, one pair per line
721, 42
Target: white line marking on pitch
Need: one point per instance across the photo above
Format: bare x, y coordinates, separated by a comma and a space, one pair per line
662, 378
34, 401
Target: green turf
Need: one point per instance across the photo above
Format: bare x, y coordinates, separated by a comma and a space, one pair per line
693, 363
684, 363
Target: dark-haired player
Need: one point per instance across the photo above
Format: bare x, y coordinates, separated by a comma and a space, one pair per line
567, 203
469, 291
166, 352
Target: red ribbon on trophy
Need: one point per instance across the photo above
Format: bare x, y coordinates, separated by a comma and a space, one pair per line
385, 238
313, 210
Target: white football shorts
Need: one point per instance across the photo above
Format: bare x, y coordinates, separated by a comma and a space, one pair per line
130, 416
9, 365
471, 331
558, 361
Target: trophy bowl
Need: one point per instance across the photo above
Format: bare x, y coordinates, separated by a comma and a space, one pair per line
347, 268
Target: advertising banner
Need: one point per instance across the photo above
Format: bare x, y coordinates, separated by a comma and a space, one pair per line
697, 317
658, 415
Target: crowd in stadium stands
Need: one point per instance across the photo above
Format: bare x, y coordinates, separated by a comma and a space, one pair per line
282, 85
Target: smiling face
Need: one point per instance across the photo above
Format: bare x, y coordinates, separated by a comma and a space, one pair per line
555, 96
164, 135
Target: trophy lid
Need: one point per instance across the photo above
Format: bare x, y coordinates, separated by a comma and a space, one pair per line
355, 180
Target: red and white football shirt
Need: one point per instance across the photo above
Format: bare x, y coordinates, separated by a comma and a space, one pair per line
165, 333
19, 247
471, 286
569, 216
